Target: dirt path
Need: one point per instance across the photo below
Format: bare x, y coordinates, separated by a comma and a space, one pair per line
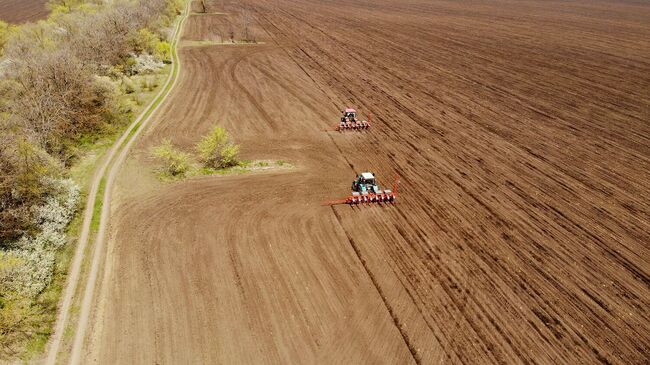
121, 146
520, 132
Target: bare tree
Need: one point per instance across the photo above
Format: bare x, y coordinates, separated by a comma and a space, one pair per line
53, 93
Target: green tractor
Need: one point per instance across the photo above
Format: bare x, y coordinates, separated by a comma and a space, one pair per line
366, 190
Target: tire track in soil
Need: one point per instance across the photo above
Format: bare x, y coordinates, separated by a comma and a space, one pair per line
504, 247
375, 283
559, 214
416, 357
256, 308
359, 256
413, 117
258, 107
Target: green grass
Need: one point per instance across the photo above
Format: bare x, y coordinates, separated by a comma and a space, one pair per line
97, 208
244, 166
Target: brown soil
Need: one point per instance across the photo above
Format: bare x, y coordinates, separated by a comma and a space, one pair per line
20, 11
520, 132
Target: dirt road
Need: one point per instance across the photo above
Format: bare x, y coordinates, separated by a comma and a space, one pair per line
20, 11
521, 134
106, 171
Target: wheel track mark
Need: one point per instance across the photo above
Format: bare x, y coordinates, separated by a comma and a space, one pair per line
291, 57
312, 79
449, 278
351, 241
394, 317
497, 269
412, 115
389, 308
394, 101
249, 96
416, 303
289, 89
496, 272
398, 259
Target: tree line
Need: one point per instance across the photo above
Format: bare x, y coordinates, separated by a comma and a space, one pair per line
54, 89
60, 85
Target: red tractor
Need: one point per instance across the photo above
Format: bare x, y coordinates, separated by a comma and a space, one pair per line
349, 121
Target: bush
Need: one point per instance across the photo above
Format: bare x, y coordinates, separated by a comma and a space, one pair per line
216, 150
18, 320
147, 42
5, 32
163, 51
24, 172
143, 41
229, 155
144, 64
176, 163
54, 95
28, 264
128, 85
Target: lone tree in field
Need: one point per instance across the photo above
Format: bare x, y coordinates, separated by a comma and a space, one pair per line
176, 163
216, 150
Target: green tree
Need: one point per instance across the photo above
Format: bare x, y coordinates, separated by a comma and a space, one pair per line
18, 319
63, 6
175, 162
146, 41
5, 33
163, 51
24, 172
216, 150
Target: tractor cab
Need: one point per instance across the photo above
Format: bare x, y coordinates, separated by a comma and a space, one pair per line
349, 121
365, 184
366, 191
349, 115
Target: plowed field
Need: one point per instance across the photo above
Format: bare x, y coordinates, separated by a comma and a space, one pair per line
520, 131
20, 11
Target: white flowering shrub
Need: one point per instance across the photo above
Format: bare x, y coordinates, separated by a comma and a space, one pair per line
58, 209
4, 66
30, 273
31, 260
146, 64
